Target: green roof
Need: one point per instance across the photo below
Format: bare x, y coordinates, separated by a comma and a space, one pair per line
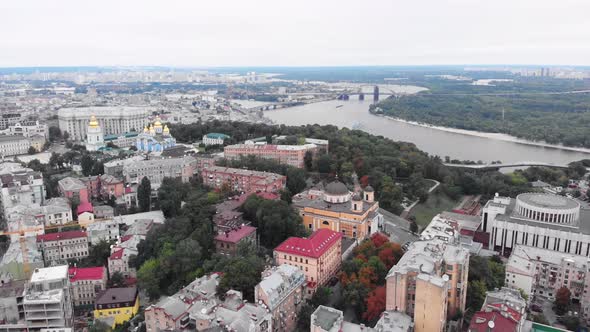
110, 137
217, 135
545, 328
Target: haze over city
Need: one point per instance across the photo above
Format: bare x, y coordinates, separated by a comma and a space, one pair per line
294, 33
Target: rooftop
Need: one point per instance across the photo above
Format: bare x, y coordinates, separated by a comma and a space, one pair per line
103, 111
71, 184
425, 256
50, 273
543, 200
521, 257
117, 295
314, 246
10, 138
86, 273
61, 236
236, 235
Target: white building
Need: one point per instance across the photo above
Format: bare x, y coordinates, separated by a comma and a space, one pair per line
158, 169
539, 220
214, 139
29, 129
107, 230
20, 186
14, 145
94, 135
113, 119
47, 301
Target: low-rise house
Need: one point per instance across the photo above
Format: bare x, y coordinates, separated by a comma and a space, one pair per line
104, 212
61, 246
282, 291
117, 305
227, 243
106, 230
86, 283
57, 211
214, 139
104, 186
319, 257
73, 188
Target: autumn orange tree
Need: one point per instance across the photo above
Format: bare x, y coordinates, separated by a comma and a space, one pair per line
363, 277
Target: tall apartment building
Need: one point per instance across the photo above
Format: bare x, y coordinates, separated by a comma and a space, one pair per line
86, 282
539, 220
281, 290
157, 169
47, 301
61, 246
243, 180
541, 273
355, 215
429, 283
319, 257
20, 186
113, 119
292, 155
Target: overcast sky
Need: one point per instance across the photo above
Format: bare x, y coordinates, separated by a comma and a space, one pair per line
293, 32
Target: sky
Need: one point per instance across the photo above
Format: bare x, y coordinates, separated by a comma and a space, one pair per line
204, 33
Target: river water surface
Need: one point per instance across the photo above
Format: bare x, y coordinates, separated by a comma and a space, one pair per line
463, 146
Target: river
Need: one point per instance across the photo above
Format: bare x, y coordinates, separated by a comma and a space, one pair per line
463, 146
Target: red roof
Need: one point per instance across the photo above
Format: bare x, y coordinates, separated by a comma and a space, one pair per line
84, 207
267, 195
61, 236
510, 311
125, 238
86, 273
236, 235
117, 254
314, 246
481, 319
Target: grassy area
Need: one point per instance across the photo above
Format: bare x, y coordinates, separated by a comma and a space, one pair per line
436, 203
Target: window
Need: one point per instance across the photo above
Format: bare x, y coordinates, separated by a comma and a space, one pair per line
325, 222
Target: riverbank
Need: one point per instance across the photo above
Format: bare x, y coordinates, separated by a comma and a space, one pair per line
495, 136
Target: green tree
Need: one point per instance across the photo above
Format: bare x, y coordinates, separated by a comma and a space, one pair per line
98, 255
476, 294
148, 278
87, 163
32, 150
242, 274
296, 180
414, 227
117, 280
144, 195
308, 160
54, 133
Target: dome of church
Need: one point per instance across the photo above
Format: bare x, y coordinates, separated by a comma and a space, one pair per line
93, 122
145, 129
166, 129
157, 123
369, 189
336, 188
357, 197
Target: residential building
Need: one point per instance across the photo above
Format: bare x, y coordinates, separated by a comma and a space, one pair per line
29, 129
227, 243
14, 145
198, 307
61, 246
47, 301
104, 230
158, 169
9, 119
429, 283
355, 215
86, 282
115, 167
20, 186
73, 188
282, 291
540, 273
503, 310
214, 139
126, 246
539, 220
112, 119
326, 319
57, 211
319, 257
104, 186
241, 180
454, 228
116, 305
156, 138
292, 155
322, 144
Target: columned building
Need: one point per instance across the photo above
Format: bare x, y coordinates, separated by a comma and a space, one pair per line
538, 220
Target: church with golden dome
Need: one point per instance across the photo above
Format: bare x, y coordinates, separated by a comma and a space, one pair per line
94, 135
155, 138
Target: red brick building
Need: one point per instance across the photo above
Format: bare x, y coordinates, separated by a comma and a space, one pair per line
242, 180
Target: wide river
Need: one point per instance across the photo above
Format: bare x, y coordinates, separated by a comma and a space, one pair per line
434, 141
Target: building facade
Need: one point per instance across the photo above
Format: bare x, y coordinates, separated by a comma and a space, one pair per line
104, 186
20, 187
241, 180
47, 301
505, 308
539, 220
429, 283
227, 242
61, 246
94, 135
29, 129
214, 139
282, 291
73, 188
86, 282
292, 155
319, 257
121, 304
155, 138
158, 169
14, 145
355, 215
112, 119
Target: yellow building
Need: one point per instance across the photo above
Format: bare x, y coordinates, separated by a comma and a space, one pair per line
116, 305
355, 215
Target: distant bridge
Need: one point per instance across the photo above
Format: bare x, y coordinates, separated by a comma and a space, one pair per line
497, 166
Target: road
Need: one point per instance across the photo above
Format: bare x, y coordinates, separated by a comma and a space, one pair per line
397, 228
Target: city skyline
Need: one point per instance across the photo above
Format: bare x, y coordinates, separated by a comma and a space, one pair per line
329, 33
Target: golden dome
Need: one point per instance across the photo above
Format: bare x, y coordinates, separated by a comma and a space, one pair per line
158, 123
166, 129
93, 122
145, 129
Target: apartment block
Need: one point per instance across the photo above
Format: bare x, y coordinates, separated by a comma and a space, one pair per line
242, 180
292, 155
61, 246
47, 302
157, 169
86, 283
